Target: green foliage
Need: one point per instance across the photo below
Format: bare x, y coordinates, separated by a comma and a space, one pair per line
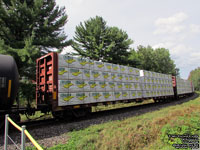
186, 125
163, 62
195, 78
20, 19
83, 139
146, 57
96, 40
27, 90
134, 59
157, 60
30, 28
25, 57
37, 116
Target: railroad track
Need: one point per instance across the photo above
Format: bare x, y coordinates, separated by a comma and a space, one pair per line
51, 128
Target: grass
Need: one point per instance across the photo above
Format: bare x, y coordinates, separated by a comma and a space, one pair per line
37, 115
148, 131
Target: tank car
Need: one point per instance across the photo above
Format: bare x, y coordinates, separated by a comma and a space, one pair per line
9, 81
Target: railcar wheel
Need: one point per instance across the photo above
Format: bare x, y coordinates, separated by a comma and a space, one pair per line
57, 114
81, 112
63, 115
156, 100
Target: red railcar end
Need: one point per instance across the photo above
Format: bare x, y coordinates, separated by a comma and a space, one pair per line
47, 81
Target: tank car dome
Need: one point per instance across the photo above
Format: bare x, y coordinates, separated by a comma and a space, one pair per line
9, 81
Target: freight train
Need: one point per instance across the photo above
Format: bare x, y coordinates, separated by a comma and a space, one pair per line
67, 85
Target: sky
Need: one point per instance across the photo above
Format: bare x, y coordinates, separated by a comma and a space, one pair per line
172, 24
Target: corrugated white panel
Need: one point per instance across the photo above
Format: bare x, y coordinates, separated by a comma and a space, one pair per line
107, 76
112, 86
93, 85
91, 81
99, 66
118, 95
97, 96
86, 74
123, 69
108, 96
131, 71
115, 68
119, 86
97, 75
107, 67
68, 99
63, 73
101, 86
75, 74
125, 95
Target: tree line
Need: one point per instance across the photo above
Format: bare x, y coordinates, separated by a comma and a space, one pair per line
32, 28
195, 78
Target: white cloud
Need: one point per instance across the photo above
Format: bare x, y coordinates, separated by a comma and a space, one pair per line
170, 24
195, 58
169, 29
163, 45
175, 19
195, 28
181, 50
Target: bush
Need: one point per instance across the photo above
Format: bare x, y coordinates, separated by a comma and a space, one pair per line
185, 125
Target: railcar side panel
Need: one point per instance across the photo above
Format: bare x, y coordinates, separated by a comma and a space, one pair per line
84, 81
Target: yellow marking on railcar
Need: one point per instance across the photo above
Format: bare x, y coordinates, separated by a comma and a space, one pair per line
76, 106
58, 108
54, 95
9, 88
108, 103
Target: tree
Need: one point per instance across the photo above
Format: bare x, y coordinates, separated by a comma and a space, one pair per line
96, 40
29, 28
40, 19
157, 60
163, 62
195, 78
133, 59
146, 57
25, 58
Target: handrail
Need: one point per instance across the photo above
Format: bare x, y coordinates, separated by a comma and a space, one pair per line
14, 124
33, 141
